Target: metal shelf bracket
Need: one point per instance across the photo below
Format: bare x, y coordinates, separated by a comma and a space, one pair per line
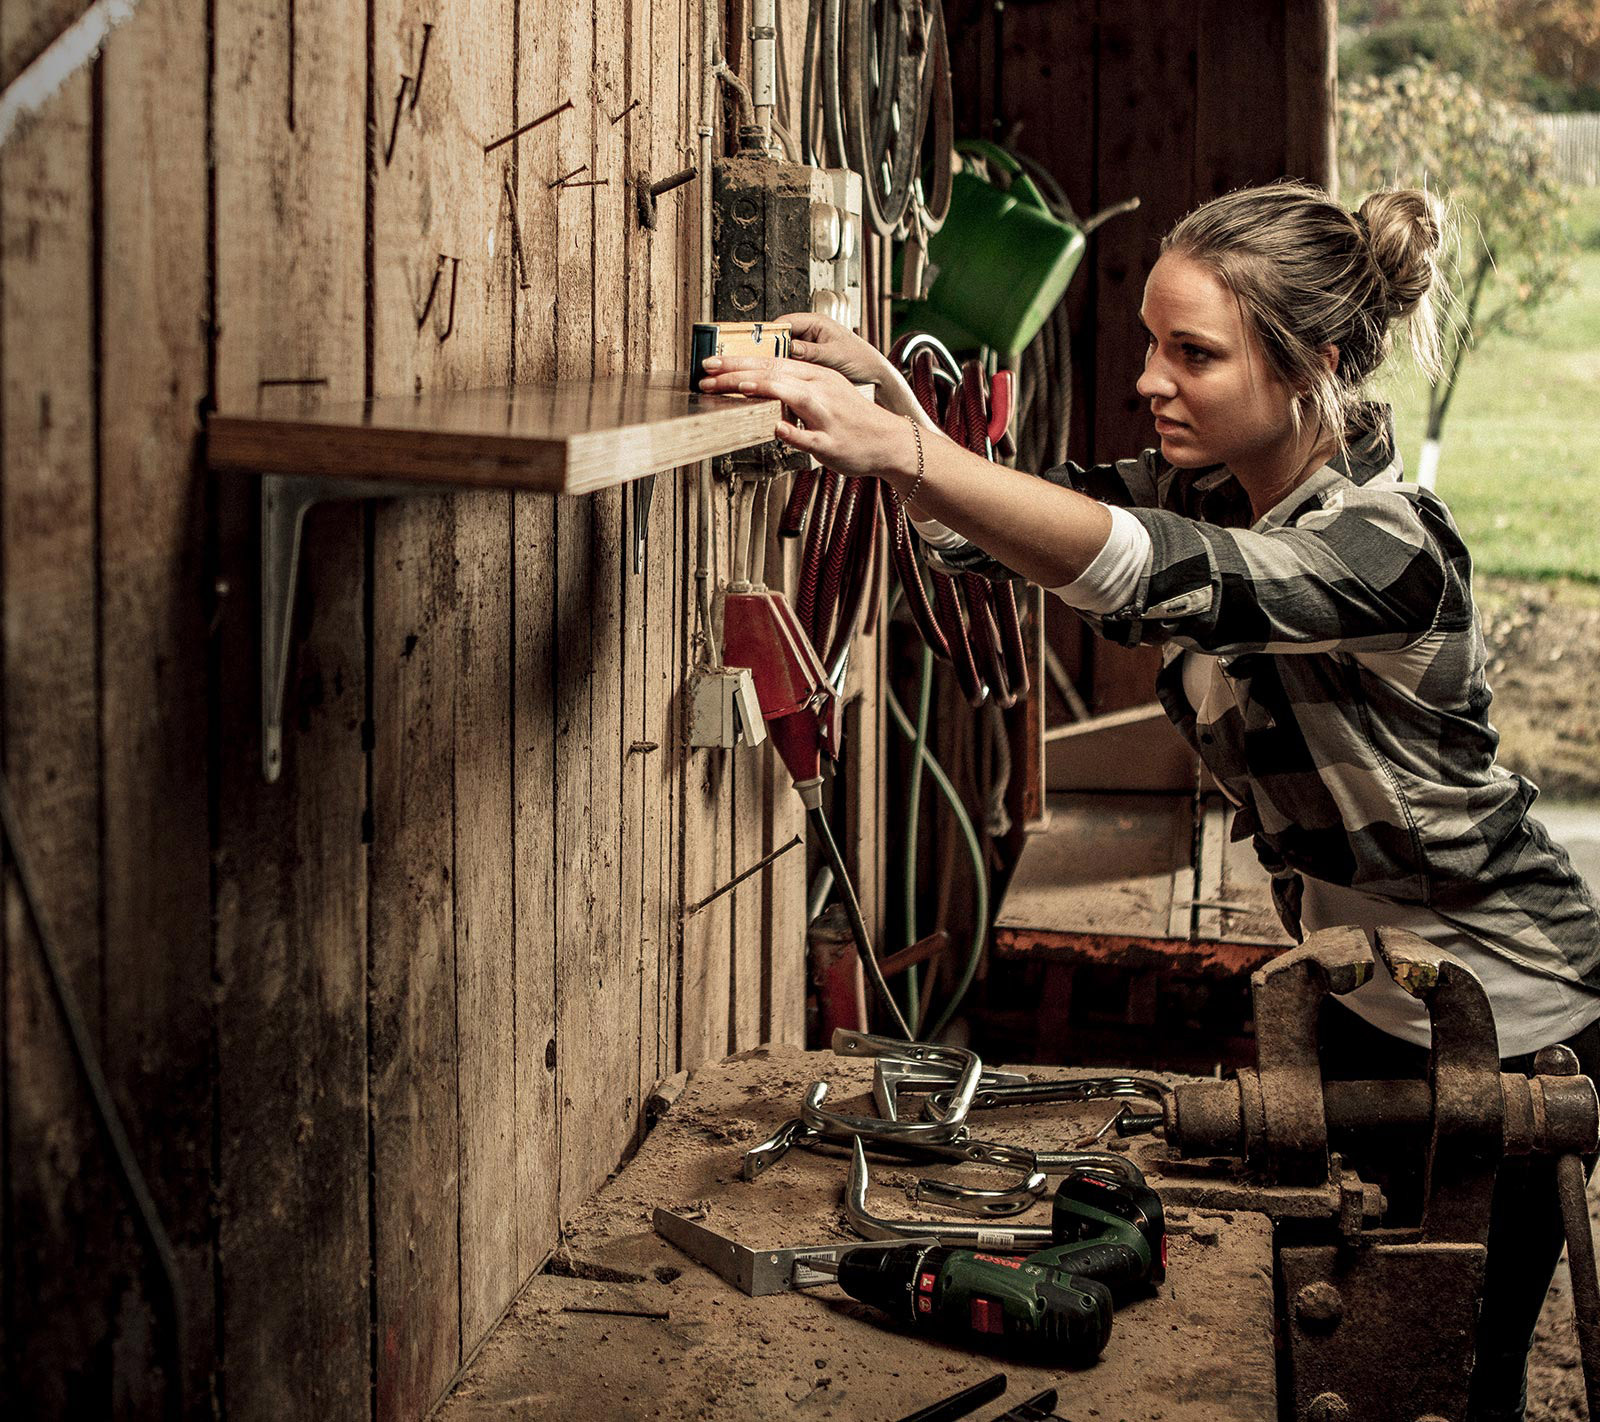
285, 501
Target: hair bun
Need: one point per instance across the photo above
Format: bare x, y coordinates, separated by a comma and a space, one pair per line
1405, 229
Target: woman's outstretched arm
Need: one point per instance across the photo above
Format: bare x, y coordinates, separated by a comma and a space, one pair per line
1047, 533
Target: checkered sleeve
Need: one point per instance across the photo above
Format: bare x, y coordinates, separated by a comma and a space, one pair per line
1128, 483
1359, 571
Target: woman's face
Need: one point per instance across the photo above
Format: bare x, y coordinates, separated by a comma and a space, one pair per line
1215, 397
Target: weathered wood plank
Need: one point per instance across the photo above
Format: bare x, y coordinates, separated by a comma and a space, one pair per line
1146, 125
1234, 890
413, 995
572, 437
580, 942
707, 827
154, 368
674, 266
1133, 749
1239, 97
748, 960
290, 881
59, 1191
604, 1104
782, 816
1311, 69
1146, 138
484, 863
485, 887
705, 807
651, 129
532, 208
783, 923
442, 1051
856, 820
1047, 58
1108, 865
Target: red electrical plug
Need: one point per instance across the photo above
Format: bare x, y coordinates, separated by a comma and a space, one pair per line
761, 632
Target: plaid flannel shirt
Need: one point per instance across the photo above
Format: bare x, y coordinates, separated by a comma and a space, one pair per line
1353, 735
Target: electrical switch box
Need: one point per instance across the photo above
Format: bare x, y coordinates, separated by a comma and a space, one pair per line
786, 238
724, 710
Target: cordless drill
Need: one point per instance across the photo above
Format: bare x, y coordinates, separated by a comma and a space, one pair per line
1110, 1246
1109, 1229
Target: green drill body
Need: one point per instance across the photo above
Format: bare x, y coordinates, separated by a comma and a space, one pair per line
1111, 1246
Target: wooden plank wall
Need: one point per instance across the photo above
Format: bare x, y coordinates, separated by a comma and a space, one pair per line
379, 1028
1173, 101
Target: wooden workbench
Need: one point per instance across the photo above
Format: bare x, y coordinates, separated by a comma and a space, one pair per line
679, 1342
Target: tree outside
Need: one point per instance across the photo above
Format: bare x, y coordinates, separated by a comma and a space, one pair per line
1522, 461
1508, 249
1543, 53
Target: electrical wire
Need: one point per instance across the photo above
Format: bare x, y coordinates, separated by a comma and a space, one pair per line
913, 812
974, 849
146, 1217
858, 926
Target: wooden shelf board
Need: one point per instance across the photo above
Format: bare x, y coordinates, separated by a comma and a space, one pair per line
570, 437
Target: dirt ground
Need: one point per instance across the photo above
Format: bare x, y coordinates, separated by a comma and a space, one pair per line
1544, 668
1555, 1379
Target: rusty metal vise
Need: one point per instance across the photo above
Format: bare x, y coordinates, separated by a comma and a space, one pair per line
1348, 1287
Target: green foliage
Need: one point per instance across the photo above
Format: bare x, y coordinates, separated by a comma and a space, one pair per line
1523, 479
1544, 53
1558, 42
1508, 250
1379, 38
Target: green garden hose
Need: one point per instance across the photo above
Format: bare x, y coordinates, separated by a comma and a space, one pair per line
913, 811
964, 821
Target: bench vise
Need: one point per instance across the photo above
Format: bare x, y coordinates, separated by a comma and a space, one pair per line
1352, 1287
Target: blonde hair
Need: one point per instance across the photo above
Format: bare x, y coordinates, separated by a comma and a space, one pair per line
1308, 274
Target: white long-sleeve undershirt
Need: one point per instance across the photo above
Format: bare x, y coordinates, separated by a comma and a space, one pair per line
1111, 579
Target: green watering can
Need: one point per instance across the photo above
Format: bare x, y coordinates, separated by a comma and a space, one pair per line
1003, 261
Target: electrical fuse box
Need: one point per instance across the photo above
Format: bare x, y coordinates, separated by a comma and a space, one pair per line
786, 238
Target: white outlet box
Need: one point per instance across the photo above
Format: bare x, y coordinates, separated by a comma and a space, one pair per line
724, 710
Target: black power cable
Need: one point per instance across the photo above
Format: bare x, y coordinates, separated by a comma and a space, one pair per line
146, 1217
858, 926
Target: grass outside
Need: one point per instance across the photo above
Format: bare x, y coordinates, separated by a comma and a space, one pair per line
1520, 459
1520, 469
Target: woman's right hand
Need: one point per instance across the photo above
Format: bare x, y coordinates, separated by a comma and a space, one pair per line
826, 343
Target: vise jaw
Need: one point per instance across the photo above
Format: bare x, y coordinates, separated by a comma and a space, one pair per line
1349, 1292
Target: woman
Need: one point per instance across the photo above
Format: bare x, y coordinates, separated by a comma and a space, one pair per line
1321, 648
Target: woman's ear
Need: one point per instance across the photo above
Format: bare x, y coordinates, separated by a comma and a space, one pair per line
1329, 356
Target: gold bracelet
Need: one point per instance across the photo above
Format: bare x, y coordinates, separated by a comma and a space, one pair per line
916, 483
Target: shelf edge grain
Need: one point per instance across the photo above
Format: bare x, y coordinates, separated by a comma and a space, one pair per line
577, 463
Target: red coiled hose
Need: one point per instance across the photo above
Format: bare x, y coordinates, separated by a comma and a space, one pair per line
904, 556
840, 538
805, 602
859, 575
793, 522
970, 621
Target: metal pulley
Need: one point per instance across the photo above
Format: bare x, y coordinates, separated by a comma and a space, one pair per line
875, 72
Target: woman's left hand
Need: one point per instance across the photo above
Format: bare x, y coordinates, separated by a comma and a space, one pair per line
825, 415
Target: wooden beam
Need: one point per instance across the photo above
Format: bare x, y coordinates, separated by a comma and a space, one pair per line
1311, 58
154, 614
291, 863
60, 1201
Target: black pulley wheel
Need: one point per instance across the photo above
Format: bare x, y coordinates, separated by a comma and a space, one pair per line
884, 52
